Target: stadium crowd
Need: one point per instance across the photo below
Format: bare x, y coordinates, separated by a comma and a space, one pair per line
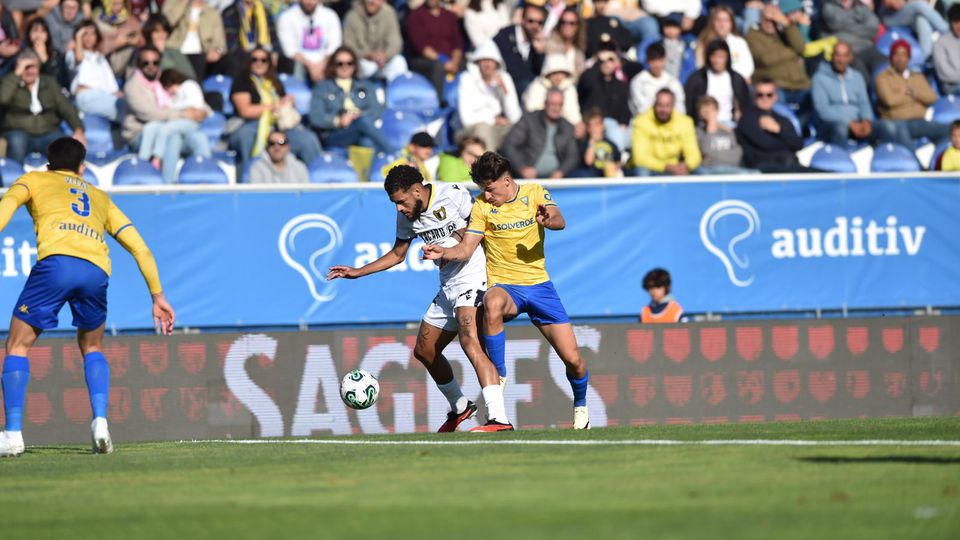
562, 88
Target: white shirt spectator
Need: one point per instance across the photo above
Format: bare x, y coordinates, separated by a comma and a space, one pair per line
662, 8
644, 87
483, 25
189, 95
315, 36
93, 72
720, 87
481, 103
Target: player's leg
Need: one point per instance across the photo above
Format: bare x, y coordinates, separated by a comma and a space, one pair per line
498, 305
16, 375
486, 372
437, 330
89, 306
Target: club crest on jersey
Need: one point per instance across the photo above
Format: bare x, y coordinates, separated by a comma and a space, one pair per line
547, 196
440, 213
525, 201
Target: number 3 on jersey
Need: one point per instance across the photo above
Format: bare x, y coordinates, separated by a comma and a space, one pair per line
82, 206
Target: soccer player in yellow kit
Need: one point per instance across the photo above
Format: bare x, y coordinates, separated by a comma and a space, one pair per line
510, 218
71, 218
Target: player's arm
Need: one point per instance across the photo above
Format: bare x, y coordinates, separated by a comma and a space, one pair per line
390, 259
14, 198
550, 217
460, 252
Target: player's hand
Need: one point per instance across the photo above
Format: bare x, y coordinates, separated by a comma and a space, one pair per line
432, 252
345, 272
163, 315
542, 215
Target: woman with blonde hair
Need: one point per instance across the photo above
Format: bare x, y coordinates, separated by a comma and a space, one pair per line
722, 25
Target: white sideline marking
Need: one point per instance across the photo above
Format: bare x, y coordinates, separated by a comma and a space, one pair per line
611, 442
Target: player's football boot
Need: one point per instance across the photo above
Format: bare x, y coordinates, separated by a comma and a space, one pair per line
454, 419
491, 426
503, 383
101, 436
581, 418
11, 445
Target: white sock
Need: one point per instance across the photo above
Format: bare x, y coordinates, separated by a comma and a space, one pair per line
14, 436
454, 395
493, 398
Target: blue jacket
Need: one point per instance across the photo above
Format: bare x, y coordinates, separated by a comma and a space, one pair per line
840, 100
326, 102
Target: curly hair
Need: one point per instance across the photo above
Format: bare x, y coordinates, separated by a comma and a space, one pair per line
401, 177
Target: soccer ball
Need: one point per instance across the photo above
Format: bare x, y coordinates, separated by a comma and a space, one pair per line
359, 389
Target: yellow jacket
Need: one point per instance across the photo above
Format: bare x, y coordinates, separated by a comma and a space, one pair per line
657, 145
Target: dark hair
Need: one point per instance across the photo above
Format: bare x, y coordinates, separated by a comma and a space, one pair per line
468, 140
42, 23
152, 23
656, 51
489, 167
65, 154
271, 73
658, 277
86, 24
147, 48
580, 40
593, 112
475, 5
955, 125
953, 14
764, 80
718, 45
330, 70
535, 7
401, 177
170, 77
608, 46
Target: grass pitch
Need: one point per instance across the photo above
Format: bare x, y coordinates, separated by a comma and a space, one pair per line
497, 491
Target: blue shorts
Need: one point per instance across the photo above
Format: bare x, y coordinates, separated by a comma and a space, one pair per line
539, 301
59, 279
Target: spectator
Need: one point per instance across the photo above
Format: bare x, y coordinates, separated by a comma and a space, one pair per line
855, 23
777, 48
344, 110
946, 54
664, 140
718, 80
259, 98
718, 144
603, 27
556, 74
663, 308
62, 21
197, 33
247, 25
484, 18
645, 85
569, 39
675, 47
919, 16
93, 83
309, 33
903, 97
156, 31
638, 22
435, 41
34, 107
278, 165
721, 25
606, 85
488, 103
371, 30
120, 31
416, 154
9, 40
769, 140
950, 161
522, 46
598, 155
686, 12
542, 144
841, 103
51, 59
456, 167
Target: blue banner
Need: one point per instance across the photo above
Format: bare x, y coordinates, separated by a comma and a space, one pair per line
259, 258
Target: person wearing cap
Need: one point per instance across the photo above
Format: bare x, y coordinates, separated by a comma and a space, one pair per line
903, 97
488, 102
416, 154
606, 85
522, 46
556, 74
542, 143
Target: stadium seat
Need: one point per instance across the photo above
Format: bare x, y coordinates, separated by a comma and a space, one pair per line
946, 109
833, 158
451, 91
331, 168
198, 170
35, 160
895, 33
892, 157
133, 171
244, 177
299, 90
399, 126
688, 64
784, 110
220, 84
936, 161
10, 170
379, 162
90, 177
412, 92
213, 126
97, 130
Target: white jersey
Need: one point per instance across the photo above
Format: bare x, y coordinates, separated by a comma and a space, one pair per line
448, 211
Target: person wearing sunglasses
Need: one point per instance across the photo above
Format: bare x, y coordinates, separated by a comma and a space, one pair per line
277, 165
569, 38
768, 138
522, 46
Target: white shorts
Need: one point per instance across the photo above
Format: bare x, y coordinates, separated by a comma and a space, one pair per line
442, 312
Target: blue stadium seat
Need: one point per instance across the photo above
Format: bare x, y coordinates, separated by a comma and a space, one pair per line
896, 33
688, 64
90, 177
399, 126
379, 162
133, 171
890, 157
412, 92
331, 168
244, 177
300, 92
198, 170
213, 126
833, 158
451, 91
35, 160
946, 109
97, 130
10, 170
220, 84
784, 110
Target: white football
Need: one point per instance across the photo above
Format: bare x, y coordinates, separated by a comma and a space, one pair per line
359, 389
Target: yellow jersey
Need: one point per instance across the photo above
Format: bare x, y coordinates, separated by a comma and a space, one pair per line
513, 240
70, 216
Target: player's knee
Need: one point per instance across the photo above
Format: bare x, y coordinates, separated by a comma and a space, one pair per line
424, 354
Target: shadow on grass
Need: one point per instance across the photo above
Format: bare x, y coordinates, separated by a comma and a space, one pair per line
61, 450
929, 460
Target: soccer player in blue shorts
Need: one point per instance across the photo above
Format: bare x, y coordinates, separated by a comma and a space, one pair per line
71, 218
510, 219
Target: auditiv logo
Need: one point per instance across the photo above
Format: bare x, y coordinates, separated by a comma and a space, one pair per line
849, 237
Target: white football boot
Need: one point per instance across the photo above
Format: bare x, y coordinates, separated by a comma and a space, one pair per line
11, 443
101, 436
581, 418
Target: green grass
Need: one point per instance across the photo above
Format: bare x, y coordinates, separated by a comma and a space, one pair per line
496, 492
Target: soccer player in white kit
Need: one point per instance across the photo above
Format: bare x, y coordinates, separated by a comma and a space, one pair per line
438, 213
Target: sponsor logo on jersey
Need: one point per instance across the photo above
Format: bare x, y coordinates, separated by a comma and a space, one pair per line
515, 225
